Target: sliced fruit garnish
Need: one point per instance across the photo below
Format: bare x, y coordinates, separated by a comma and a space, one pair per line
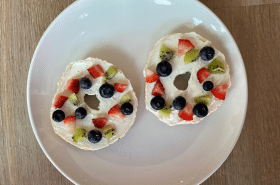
220, 91
109, 131
186, 113
96, 71
166, 110
73, 98
202, 75
70, 123
110, 73
116, 112
99, 122
191, 56
158, 89
165, 53
206, 99
151, 76
120, 87
216, 67
126, 98
184, 46
73, 85
80, 134
59, 101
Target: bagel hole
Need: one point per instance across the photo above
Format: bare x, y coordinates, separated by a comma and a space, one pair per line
92, 101
181, 81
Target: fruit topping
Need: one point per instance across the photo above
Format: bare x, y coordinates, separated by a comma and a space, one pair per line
127, 108
99, 122
94, 136
58, 115
164, 68
216, 67
165, 53
59, 101
151, 76
186, 113
184, 46
158, 89
208, 86
81, 113
96, 71
106, 90
126, 98
110, 73
165, 111
72, 85
85, 83
220, 91
80, 134
109, 131
191, 56
207, 53
203, 99
179, 103
157, 102
73, 98
202, 75
200, 110
70, 123
120, 87
116, 112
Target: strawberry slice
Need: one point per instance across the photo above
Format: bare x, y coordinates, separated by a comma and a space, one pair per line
99, 122
116, 112
202, 74
96, 71
220, 91
158, 89
120, 87
59, 101
151, 76
70, 123
73, 85
184, 46
186, 113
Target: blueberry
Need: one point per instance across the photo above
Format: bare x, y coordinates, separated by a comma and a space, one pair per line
158, 102
208, 86
58, 115
179, 103
85, 83
164, 68
94, 136
106, 90
80, 113
200, 110
127, 109
207, 53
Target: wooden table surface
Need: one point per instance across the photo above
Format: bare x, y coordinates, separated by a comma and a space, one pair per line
254, 24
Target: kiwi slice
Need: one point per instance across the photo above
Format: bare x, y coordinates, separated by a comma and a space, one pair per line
126, 98
165, 53
216, 67
80, 134
110, 73
73, 98
165, 111
206, 99
109, 131
191, 56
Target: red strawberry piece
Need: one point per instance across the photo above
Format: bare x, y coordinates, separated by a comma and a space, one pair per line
202, 74
151, 76
120, 87
186, 113
158, 89
220, 91
99, 122
116, 112
70, 123
59, 101
96, 71
73, 85
184, 46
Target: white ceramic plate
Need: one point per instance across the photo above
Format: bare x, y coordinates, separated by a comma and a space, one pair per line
123, 32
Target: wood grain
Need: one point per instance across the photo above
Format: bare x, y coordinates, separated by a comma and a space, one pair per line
254, 25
